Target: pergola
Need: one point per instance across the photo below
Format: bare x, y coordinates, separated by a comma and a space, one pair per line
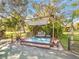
38, 22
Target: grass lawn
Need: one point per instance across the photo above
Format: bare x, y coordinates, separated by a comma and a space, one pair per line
64, 39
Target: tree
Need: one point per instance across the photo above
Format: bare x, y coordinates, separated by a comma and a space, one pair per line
2, 29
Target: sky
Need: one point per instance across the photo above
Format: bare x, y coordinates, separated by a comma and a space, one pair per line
66, 4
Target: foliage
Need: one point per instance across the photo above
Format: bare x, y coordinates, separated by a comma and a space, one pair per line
76, 13
34, 29
74, 4
55, 0
57, 28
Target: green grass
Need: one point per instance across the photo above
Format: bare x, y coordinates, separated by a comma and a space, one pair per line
64, 39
